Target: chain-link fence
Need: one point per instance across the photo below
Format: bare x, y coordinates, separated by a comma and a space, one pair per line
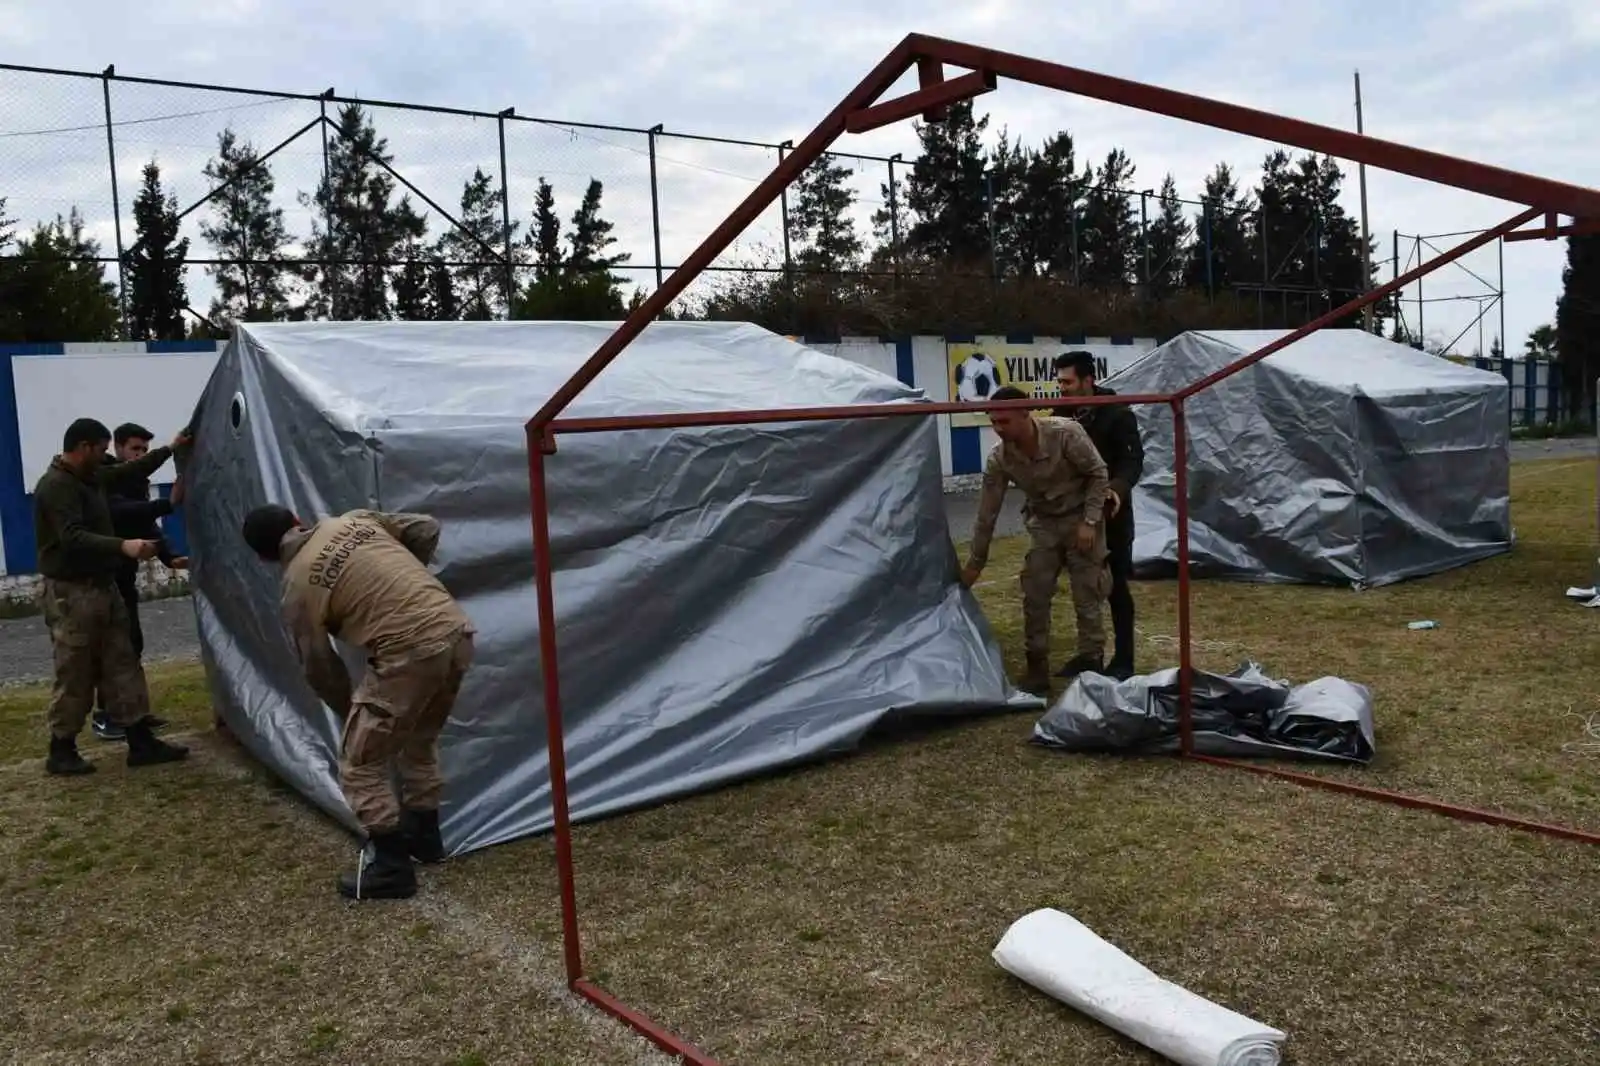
75, 146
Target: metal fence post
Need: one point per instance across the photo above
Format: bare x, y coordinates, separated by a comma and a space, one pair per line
116, 206
505, 213
784, 208
655, 197
894, 222
330, 276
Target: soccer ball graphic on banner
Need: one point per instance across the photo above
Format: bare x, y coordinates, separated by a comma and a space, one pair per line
977, 377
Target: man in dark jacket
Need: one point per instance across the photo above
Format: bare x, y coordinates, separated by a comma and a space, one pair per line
133, 516
79, 556
1114, 429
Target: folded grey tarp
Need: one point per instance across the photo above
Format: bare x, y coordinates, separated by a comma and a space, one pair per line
1241, 713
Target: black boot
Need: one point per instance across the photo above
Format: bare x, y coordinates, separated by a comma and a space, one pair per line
1080, 664
422, 835
1036, 681
389, 875
1120, 669
145, 749
64, 758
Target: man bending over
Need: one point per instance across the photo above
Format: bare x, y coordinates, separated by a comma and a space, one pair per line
363, 577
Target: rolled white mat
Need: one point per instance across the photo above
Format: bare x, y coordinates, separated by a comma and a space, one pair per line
1062, 958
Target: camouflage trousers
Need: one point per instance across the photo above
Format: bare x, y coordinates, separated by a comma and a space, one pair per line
91, 634
1053, 548
396, 716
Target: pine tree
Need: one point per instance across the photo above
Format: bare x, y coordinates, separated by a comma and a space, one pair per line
1577, 341
1168, 242
1541, 343
590, 288
1046, 237
590, 235
819, 216
945, 192
576, 283
1221, 256
443, 302
413, 295
480, 241
1108, 230
247, 232
1332, 266
154, 264
545, 238
357, 231
57, 291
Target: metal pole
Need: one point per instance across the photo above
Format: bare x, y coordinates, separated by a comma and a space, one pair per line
330, 274
1211, 281
1399, 304
1144, 230
783, 206
116, 205
1366, 244
894, 222
655, 198
544, 582
988, 206
1421, 336
505, 212
1180, 488
1505, 342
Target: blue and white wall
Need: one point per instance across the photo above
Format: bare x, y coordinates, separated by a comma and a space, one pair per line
925, 362
43, 387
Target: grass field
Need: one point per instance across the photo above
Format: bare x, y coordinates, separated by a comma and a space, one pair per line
845, 912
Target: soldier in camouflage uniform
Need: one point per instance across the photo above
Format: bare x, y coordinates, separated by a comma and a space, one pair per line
363, 576
1064, 481
79, 558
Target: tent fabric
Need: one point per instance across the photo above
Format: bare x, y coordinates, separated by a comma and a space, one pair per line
1243, 713
729, 600
1342, 459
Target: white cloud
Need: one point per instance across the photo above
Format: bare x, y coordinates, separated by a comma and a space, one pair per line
1502, 81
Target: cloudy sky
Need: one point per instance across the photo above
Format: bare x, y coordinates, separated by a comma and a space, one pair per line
1506, 82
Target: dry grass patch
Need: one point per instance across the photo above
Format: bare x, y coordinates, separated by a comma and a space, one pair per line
186, 914
846, 912
178, 693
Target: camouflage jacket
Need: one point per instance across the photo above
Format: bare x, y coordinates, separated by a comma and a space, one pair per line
72, 526
1067, 481
362, 577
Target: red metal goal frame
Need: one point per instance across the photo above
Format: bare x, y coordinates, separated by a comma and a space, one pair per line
861, 111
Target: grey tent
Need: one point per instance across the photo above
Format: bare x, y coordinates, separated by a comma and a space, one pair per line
729, 599
1342, 459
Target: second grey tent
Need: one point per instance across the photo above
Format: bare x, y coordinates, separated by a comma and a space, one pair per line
1342, 459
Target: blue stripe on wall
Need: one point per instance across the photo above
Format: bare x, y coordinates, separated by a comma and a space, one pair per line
966, 450
189, 347
172, 525
16, 512
905, 367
